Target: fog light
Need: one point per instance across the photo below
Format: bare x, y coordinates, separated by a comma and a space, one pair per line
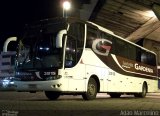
53, 86
56, 86
59, 85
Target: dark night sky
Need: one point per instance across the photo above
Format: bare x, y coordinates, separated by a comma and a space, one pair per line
14, 14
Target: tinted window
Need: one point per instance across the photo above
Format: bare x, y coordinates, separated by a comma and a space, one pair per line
75, 44
121, 48
110, 39
131, 51
92, 34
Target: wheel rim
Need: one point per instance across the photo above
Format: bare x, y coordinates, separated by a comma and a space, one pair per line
91, 89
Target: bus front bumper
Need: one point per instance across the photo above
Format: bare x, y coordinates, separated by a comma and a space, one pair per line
39, 86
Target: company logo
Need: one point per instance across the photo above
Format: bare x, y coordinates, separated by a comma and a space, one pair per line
102, 46
136, 66
143, 68
126, 64
38, 75
23, 74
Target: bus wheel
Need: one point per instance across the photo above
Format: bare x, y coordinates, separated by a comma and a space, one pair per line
51, 95
143, 93
115, 95
91, 90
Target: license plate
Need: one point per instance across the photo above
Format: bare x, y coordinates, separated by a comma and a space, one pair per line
32, 86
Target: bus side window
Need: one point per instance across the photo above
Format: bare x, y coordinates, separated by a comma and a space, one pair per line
144, 58
138, 55
131, 52
151, 59
121, 48
109, 38
92, 34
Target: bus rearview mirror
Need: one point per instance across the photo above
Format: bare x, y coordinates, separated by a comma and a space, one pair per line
59, 38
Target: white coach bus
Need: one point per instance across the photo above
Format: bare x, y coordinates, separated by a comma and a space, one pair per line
67, 56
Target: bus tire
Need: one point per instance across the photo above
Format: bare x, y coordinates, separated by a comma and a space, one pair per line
91, 90
143, 93
51, 95
115, 95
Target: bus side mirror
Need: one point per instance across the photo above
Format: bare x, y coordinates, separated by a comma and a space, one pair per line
59, 38
7, 42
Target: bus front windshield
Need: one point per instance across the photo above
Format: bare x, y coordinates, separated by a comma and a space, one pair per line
38, 51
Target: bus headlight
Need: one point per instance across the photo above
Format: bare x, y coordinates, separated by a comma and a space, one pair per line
54, 77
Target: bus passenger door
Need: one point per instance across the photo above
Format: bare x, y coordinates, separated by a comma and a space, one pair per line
75, 77
74, 68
